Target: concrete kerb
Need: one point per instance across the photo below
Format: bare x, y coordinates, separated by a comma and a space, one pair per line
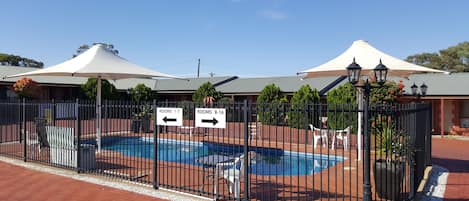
454, 137
134, 187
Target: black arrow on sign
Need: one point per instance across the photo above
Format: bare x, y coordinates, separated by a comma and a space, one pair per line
166, 119
213, 121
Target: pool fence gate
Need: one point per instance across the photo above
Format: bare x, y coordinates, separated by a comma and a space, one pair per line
229, 150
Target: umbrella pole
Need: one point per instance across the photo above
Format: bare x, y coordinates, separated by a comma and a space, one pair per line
98, 113
360, 122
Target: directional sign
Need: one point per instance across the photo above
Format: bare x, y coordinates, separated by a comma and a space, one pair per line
210, 117
169, 116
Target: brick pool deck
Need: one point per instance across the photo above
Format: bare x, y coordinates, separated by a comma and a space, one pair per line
22, 184
453, 154
342, 181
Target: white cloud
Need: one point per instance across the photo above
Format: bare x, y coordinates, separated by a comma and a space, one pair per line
272, 14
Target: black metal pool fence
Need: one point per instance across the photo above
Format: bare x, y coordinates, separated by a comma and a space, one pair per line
231, 150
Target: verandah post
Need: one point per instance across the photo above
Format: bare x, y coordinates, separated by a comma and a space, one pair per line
155, 147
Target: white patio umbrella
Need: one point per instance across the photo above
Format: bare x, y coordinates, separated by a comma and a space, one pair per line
97, 62
367, 57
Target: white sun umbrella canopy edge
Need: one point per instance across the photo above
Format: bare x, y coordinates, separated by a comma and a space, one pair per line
97, 62
368, 58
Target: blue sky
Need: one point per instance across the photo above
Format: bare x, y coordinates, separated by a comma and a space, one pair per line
232, 37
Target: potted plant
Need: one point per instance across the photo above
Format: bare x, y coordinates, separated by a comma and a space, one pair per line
136, 123
393, 149
141, 94
141, 120
145, 117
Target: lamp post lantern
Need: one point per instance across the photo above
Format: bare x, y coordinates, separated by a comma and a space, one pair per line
353, 71
380, 72
423, 90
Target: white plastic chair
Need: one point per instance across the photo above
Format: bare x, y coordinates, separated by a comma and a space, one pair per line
319, 134
342, 135
230, 172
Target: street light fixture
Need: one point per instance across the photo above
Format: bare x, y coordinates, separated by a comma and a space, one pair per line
380, 72
353, 71
423, 90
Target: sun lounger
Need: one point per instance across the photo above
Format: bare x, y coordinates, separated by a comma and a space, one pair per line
63, 149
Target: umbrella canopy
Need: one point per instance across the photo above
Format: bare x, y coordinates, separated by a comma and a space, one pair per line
99, 63
367, 57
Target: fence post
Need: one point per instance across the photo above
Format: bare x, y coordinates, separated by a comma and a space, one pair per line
23, 130
366, 144
20, 120
78, 131
428, 151
106, 103
246, 150
155, 147
53, 112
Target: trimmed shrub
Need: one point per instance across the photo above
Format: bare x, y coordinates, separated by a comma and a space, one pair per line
271, 105
108, 90
340, 100
301, 113
141, 93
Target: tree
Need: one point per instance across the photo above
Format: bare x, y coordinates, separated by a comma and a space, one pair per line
84, 47
108, 90
271, 105
141, 93
343, 99
27, 88
206, 91
340, 101
389, 93
454, 58
14, 60
301, 113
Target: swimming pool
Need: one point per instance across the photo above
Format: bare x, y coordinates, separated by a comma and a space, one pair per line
268, 161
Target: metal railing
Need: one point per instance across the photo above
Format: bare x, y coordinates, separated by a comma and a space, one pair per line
274, 151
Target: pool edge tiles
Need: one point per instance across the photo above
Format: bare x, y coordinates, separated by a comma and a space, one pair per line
186, 142
165, 140
320, 156
271, 161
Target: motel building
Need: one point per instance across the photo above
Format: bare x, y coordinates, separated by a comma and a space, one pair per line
448, 94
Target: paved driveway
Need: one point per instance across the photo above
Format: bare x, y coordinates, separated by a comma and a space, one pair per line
454, 155
21, 184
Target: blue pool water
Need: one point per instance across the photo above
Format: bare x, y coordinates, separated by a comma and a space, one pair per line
268, 161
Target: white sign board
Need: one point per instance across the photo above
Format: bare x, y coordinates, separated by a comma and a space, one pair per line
169, 116
210, 117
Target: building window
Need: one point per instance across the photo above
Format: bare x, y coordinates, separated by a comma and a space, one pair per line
464, 113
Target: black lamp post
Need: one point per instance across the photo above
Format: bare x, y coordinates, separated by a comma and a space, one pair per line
423, 90
380, 72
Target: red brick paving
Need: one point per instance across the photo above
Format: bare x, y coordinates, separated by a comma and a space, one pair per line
21, 184
454, 155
